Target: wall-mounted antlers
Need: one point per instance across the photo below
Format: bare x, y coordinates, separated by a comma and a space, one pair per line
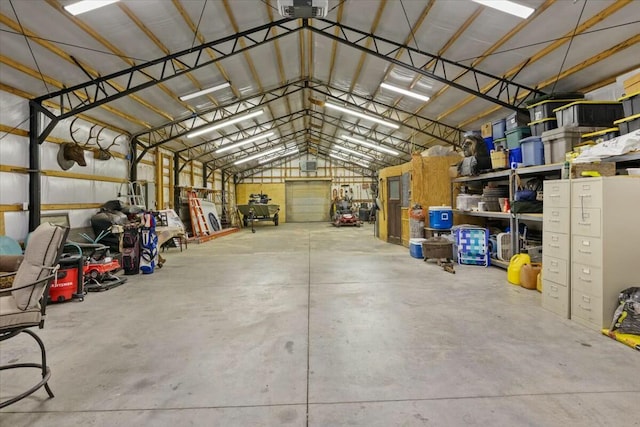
103, 152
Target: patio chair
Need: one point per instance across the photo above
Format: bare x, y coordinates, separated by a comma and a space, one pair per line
23, 305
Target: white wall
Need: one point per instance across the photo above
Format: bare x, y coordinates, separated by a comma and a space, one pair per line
95, 188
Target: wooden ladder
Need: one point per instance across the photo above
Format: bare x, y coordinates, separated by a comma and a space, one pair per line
199, 224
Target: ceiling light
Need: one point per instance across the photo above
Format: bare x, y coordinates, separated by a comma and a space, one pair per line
404, 92
362, 163
362, 115
285, 154
255, 156
354, 152
204, 91
86, 5
508, 7
245, 142
370, 145
223, 124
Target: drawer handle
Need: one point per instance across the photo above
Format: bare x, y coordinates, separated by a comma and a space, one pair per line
584, 223
584, 308
554, 271
554, 195
584, 252
554, 246
584, 279
554, 296
554, 220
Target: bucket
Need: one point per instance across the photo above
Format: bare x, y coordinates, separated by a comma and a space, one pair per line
415, 247
440, 217
515, 265
529, 275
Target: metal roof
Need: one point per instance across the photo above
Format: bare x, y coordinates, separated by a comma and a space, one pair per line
126, 64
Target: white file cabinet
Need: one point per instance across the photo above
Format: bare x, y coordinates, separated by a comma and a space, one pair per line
605, 234
556, 247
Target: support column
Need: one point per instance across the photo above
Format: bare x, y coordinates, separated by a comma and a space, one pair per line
133, 165
176, 181
35, 196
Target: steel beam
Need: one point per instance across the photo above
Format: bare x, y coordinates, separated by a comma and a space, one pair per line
505, 92
35, 196
98, 91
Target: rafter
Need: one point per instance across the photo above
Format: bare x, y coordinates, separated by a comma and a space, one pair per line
501, 94
99, 91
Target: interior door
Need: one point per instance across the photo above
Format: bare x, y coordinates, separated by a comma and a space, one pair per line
394, 218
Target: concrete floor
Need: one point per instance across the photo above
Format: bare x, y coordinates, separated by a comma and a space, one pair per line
306, 324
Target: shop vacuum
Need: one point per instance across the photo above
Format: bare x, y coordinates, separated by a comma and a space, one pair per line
69, 282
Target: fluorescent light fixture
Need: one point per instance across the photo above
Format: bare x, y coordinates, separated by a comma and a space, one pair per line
362, 163
245, 142
86, 5
508, 7
404, 92
285, 154
370, 145
256, 156
204, 91
354, 152
223, 124
361, 115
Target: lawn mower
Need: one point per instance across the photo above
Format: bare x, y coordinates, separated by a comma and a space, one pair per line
344, 215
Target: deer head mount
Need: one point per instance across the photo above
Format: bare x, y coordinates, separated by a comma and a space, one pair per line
73, 152
103, 152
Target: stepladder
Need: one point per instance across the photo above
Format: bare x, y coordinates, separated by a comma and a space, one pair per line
199, 224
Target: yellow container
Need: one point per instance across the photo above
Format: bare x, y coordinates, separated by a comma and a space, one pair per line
499, 159
529, 275
539, 284
515, 265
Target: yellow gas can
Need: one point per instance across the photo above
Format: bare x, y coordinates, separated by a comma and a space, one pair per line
515, 265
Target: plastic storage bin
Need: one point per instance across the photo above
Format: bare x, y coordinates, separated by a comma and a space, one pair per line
544, 109
415, 247
589, 113
468, 202
532, 151
631, 104
515, 135
628, 124
472, 246
500, 144
559, 141
516, 120
440, 217
601, 135
499, 128
515, 156
543, 125
488, 141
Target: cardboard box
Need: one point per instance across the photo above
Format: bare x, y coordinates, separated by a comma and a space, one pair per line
486, 130
603, 168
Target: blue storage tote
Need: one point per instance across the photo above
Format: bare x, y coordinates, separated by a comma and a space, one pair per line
473, 246
498, 128
532, 151
515, 156
415, 247
488, 141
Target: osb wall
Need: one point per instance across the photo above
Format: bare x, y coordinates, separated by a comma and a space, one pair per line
276, 193
431, 183
384, 174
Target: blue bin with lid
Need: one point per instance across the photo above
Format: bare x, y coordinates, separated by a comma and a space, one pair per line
515, 156
532, 151
440, 217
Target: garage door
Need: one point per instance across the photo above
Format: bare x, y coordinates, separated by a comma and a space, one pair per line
308, 201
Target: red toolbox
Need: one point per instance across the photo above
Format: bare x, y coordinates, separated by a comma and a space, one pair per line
69, 280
